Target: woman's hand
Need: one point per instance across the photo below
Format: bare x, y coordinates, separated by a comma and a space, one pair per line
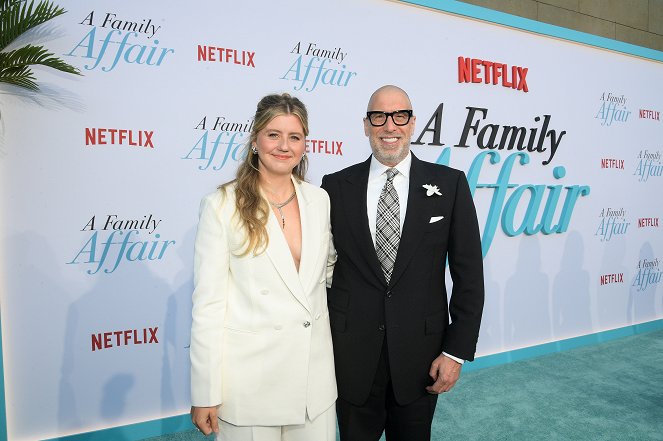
205, 419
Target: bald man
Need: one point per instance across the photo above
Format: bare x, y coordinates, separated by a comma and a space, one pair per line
396, 220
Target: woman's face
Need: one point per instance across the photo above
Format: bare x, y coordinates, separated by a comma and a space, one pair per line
281, 144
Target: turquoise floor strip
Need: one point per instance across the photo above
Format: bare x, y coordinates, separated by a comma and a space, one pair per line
560, 346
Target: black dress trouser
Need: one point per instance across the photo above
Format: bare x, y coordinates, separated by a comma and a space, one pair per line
381, 412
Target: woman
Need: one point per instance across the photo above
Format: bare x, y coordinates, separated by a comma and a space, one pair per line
261, 350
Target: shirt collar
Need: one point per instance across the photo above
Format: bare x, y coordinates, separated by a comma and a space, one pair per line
377, 168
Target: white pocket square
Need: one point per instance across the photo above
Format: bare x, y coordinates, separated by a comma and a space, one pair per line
435, 219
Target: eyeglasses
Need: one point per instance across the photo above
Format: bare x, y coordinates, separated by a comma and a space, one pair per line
378, 118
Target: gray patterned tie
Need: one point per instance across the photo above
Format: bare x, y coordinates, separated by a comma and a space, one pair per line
388, 225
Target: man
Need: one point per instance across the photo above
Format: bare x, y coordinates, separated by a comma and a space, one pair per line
396, 220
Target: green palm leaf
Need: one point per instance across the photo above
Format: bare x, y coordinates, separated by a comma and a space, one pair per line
16, 18
20, 76
29, 55
19, 16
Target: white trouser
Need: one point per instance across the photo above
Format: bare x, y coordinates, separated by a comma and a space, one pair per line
323, 428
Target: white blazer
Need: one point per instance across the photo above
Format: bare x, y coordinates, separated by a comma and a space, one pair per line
261, 344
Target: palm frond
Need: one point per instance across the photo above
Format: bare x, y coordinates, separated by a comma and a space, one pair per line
17, 17
15, 65
5, 4
19, 76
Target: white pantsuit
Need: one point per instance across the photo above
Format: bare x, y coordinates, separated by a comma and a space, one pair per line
323, 428
261, 345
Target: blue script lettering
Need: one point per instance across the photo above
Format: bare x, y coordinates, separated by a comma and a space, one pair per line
129, 53
503, 209
234, 149
125, 249
324, 75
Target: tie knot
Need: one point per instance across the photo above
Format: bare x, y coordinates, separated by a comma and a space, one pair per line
391, 173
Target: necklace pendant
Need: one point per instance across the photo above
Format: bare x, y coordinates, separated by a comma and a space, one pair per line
279, 207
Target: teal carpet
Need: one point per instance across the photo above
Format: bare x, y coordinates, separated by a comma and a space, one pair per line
606, 392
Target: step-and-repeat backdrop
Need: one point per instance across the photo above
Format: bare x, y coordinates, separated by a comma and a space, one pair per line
102, 176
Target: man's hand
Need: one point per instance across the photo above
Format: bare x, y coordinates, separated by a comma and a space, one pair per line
205, 420
445, 372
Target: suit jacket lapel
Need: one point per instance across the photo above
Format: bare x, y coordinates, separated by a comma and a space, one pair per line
417, 217
354, 196
279, 252
310, 248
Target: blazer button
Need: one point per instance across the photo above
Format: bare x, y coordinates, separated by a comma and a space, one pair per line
381, 328
388, 295
264, 292
307, 324
278, 327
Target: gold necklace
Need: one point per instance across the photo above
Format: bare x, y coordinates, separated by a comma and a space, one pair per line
281, 205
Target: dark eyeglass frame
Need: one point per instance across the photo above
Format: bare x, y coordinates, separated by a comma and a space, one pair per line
387, 115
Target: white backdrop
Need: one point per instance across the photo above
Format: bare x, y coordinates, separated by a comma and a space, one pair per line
96, 308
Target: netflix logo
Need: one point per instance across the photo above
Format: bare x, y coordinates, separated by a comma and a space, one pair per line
125, 337
226, 55
128, 137
644, 222
473, 70
612, 163
611, 278
324, 147
650, 114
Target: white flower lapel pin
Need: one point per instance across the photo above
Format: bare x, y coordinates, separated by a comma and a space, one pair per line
431, 190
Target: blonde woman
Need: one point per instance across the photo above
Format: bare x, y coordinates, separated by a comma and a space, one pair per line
262, 366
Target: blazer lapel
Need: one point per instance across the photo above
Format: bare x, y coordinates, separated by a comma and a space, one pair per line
310, 241
354, 197
416, 218
279, 252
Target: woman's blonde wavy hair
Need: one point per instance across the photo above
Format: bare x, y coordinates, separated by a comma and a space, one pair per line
251, 207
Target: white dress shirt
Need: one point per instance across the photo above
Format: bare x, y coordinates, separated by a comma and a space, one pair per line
377, 177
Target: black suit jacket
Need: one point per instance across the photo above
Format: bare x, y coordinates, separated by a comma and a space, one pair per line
411, 312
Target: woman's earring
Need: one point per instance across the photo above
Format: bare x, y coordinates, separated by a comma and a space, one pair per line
254, 150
